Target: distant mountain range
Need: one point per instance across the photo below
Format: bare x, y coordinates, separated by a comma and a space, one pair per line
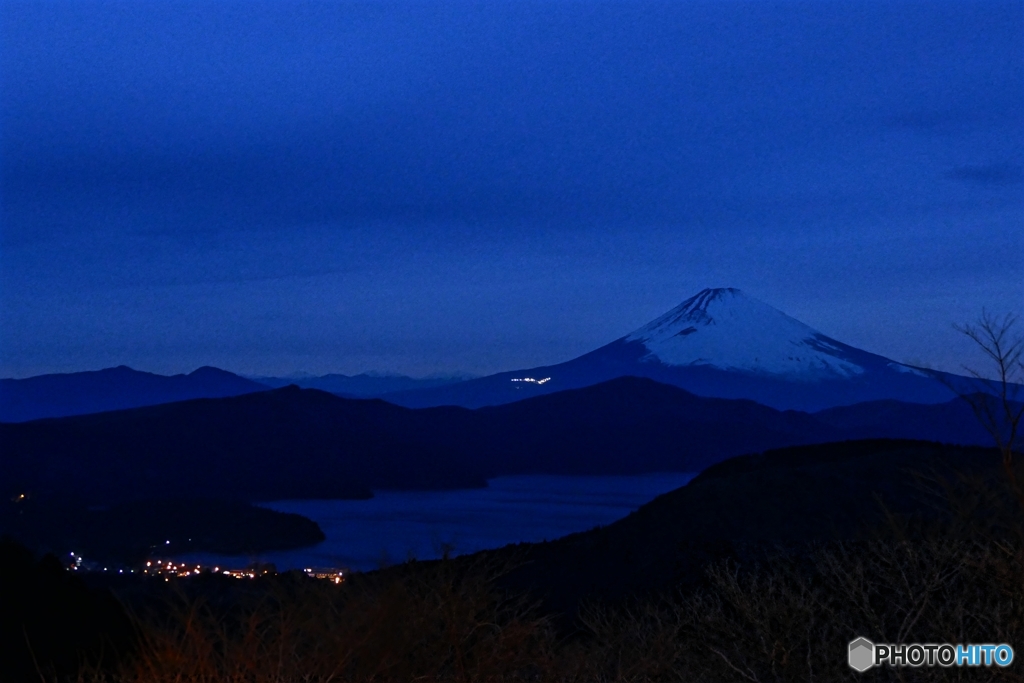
80, 393
719, 343
365, 385
97, 391
305, 443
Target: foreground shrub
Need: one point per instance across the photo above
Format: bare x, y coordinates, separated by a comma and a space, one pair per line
791, 619
786, 619
433, 621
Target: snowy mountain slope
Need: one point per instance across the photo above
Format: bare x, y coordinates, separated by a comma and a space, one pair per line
718, 343
726, 329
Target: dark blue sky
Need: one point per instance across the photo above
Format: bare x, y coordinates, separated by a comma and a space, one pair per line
439, 186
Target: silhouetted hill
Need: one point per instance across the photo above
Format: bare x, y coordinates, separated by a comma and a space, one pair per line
631, 425
285, 443
303, 443
950, 422
127, 533
80, 393
741, 507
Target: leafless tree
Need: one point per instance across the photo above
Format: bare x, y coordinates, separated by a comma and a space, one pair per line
997, 397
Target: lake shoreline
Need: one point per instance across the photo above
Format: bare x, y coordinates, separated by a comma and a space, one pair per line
396, 526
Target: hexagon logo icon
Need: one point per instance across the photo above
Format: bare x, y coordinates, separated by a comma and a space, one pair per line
862, 654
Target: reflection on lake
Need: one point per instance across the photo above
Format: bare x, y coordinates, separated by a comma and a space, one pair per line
397, 525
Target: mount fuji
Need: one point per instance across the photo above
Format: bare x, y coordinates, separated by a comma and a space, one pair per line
720, 343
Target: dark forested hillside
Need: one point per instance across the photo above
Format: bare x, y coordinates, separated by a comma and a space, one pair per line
302, 443
292, 443
277, 444
748, 505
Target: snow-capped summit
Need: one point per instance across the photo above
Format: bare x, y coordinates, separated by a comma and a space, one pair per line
726, 329
719, 343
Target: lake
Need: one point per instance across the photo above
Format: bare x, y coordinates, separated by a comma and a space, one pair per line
394, 526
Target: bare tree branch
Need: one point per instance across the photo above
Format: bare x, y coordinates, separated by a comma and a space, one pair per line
997, 397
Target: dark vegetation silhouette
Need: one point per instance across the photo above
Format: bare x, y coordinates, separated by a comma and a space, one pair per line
997, 397
52, 625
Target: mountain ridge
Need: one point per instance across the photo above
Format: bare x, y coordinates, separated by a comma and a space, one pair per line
718, 343
116, 388
363, 385
305, 443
